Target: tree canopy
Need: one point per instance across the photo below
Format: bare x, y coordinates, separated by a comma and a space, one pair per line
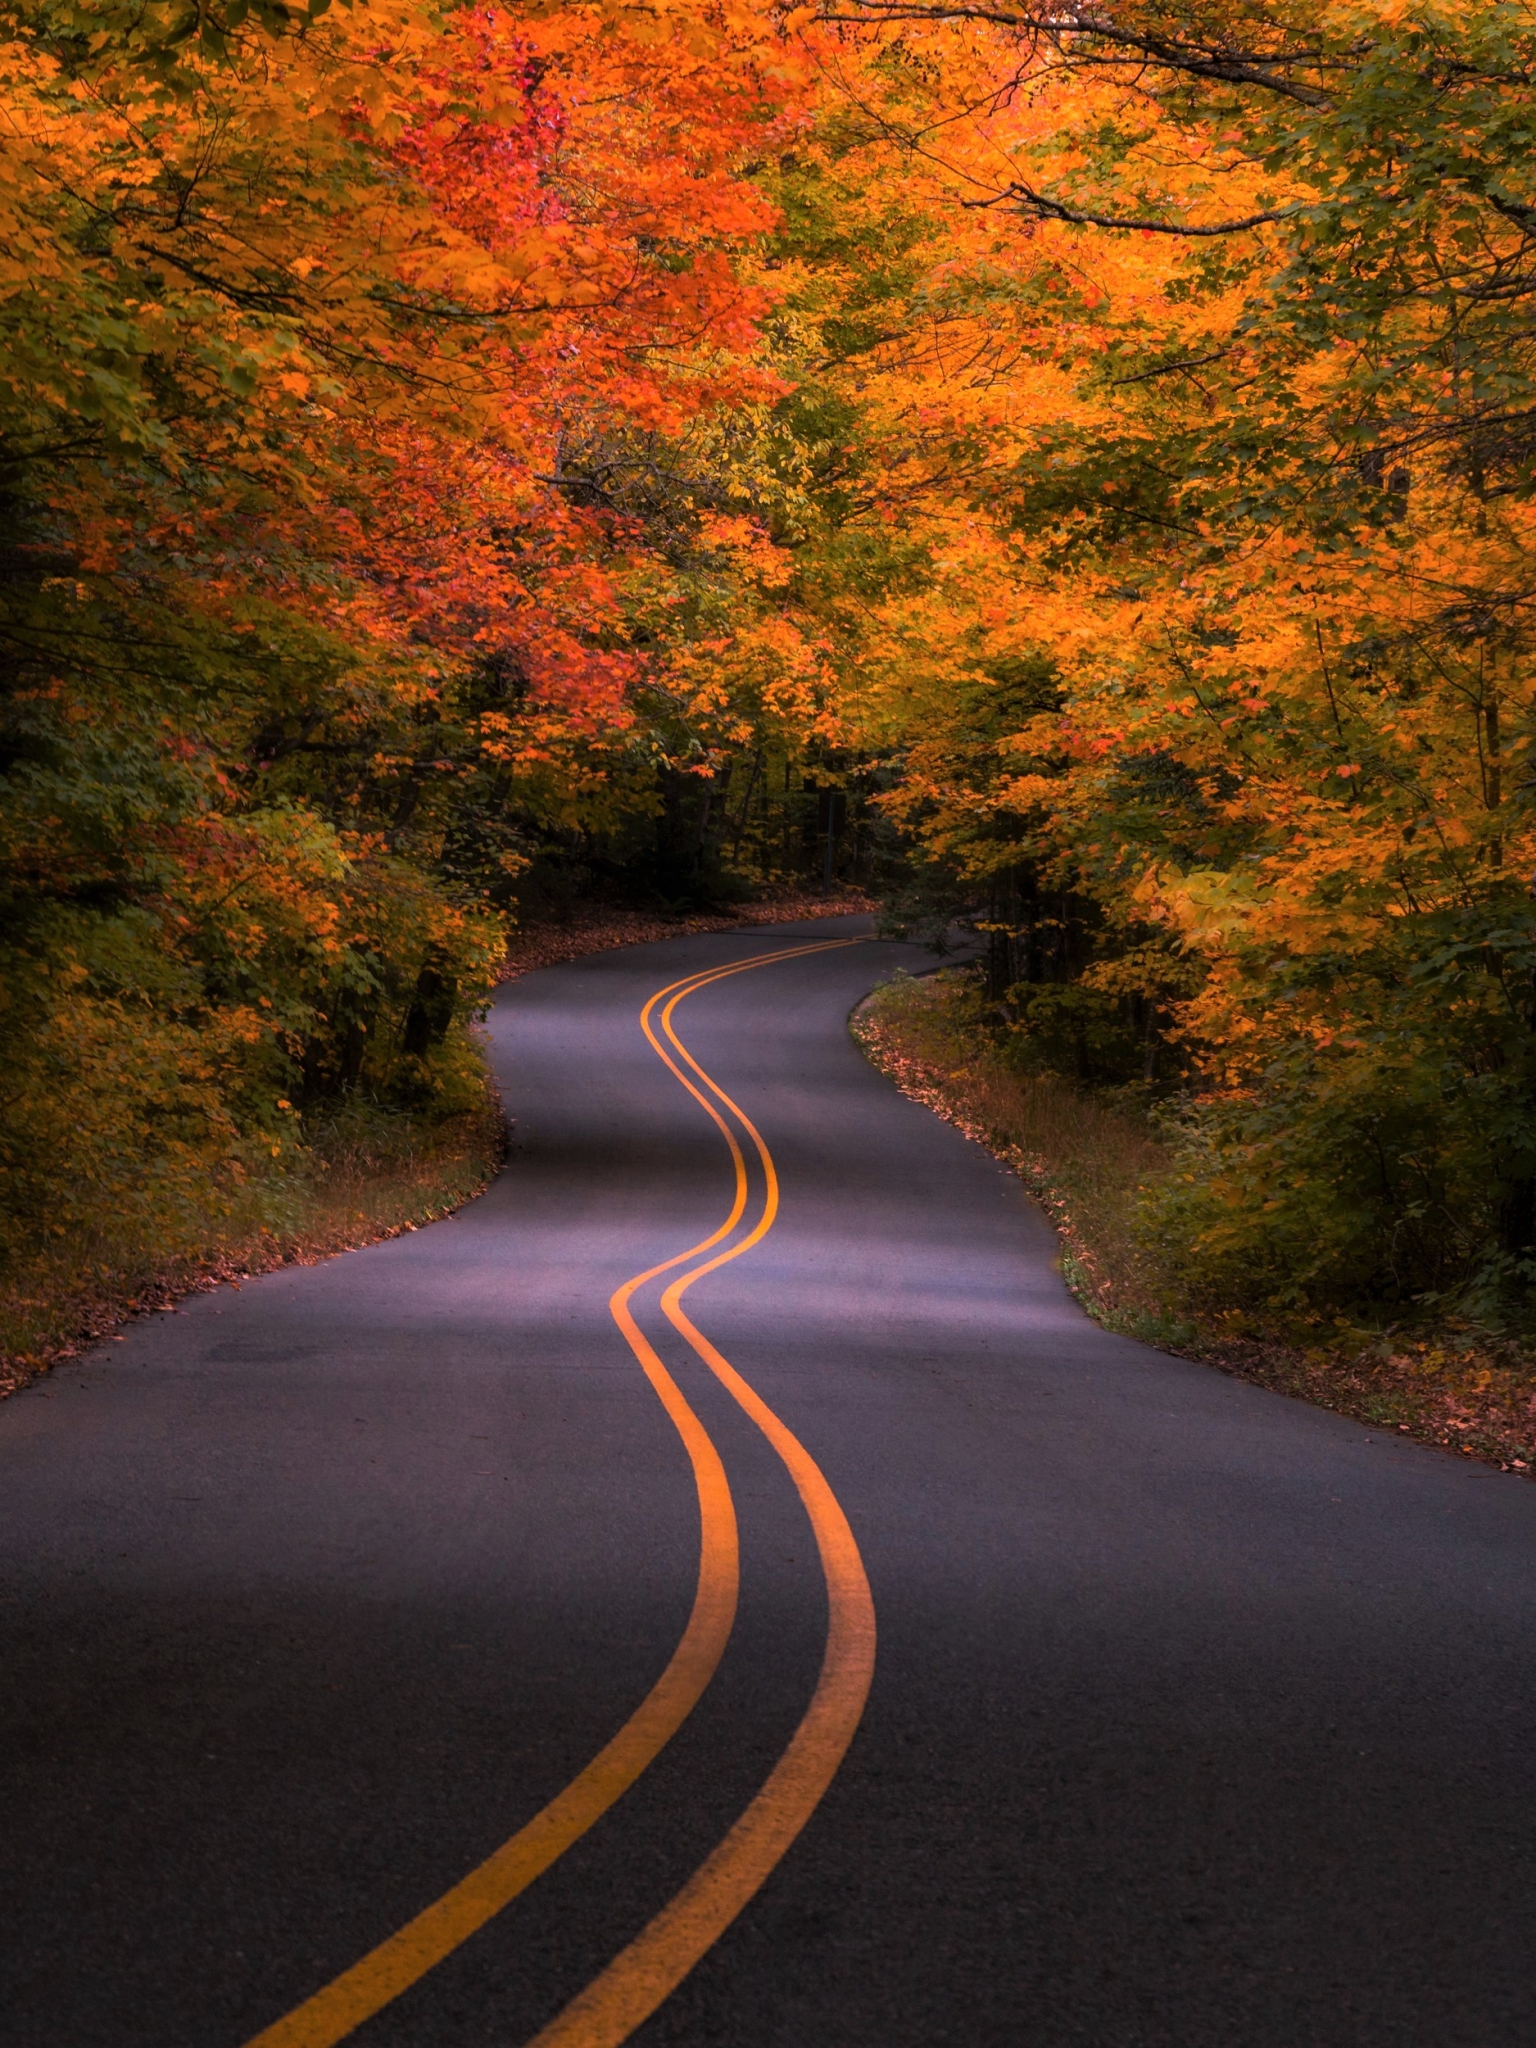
455, 457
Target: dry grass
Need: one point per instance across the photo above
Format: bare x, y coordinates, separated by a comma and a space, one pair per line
1084, 1159
368, 1180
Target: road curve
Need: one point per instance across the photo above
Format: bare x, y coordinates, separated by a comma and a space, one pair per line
1199, 1716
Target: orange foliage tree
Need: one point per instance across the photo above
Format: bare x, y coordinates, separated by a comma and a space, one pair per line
310, 612
1104, 441
1208, 416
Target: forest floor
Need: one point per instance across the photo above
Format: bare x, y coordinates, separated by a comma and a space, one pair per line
368, 1179
1084, 1157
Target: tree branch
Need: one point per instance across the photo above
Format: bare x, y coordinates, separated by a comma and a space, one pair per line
1168, 369
1196, 60
1043, 207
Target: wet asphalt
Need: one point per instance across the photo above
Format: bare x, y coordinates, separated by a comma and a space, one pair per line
1201, 1719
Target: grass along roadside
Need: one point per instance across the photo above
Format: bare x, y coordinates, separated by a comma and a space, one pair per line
1085, 1157
366, 1177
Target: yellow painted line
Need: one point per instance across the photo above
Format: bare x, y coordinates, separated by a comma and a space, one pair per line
407, 1955
643, 1975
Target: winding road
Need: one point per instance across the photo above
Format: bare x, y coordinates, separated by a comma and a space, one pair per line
719, 1589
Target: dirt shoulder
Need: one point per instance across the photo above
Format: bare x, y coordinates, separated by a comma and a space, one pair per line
356, 1193
362, 1189
1463, 1390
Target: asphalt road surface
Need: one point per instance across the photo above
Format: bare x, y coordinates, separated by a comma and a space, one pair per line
1200, 1718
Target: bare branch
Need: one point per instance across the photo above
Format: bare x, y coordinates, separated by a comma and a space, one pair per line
1043, 207
1266, 69
1169, 369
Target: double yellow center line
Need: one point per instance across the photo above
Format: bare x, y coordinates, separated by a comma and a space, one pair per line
638, 1979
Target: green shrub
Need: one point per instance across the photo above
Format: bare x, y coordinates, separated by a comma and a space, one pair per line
1345, 1181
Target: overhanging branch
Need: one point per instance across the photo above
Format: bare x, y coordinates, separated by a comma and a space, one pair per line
1043, 207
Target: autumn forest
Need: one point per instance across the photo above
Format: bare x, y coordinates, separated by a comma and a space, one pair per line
465, 462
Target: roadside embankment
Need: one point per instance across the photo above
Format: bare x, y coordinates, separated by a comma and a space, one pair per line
360, 1178
354, 1174
1088, 1157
